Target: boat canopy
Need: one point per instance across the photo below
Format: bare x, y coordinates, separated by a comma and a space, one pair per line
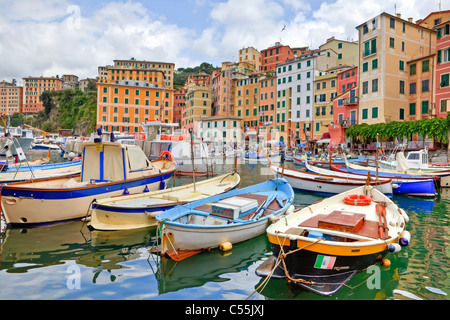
109, 161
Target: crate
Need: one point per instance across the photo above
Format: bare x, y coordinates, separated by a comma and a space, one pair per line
232, 208
342, 221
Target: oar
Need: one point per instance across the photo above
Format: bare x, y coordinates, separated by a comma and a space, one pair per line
263, 207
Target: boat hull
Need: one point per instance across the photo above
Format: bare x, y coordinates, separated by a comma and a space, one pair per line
187, 238
325, 184
31, 206
139, 211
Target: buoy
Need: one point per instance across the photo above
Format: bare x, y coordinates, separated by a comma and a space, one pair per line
226, 246
125, 191
405, 238
394, 247
146, 189
385, 262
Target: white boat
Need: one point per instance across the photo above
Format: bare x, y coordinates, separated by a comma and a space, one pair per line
108, 169
14, 138
414, 161
136, 211
224, 219
321, 247
328, 184
160, 139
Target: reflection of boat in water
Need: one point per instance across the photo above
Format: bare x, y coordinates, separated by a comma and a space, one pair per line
209, 266
55, 244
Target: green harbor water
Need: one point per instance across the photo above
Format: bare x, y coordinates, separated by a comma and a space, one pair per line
68, 262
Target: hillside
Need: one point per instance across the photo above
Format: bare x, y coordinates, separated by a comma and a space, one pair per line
67, 109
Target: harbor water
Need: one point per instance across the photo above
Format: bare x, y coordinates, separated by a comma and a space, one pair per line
66, 261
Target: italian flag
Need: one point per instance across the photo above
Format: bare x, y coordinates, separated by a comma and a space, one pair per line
324, 262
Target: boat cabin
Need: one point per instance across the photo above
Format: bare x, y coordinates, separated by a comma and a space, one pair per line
109, 161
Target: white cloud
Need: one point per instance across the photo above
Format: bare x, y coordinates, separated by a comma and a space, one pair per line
49, 37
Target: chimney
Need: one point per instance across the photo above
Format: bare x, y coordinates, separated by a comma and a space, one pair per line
399, 15
410, 19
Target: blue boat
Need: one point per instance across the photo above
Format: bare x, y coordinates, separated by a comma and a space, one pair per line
414, 185
108, 169
224, 219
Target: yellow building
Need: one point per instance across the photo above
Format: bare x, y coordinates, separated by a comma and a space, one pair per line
325, 90
251, 56
197, 105
347, 51
387, 43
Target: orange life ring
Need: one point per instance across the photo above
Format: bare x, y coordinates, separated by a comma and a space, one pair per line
162, 154
357, 200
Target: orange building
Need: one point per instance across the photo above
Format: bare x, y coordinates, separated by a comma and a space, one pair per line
267, 105
34, 87
123, 106
132, 92
11, 97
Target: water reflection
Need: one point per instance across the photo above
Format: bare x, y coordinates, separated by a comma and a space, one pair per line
34, 262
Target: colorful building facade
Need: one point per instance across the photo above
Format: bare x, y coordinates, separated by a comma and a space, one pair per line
33, 87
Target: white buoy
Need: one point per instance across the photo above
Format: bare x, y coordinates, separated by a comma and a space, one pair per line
405, 238
394, 247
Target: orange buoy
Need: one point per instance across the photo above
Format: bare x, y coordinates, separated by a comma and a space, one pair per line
357, 200
385, 262
162, 154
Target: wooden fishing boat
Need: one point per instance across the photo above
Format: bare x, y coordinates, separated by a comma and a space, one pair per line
421, 187
254, 157
328, 184
300, 160
224, 219
425, 171
108, 169
135, 211
415, 185
322, 246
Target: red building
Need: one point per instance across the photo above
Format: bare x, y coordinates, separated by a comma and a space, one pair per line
179, 104
275, 55
345, 105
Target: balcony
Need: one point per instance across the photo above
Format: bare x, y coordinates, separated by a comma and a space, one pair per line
351, 102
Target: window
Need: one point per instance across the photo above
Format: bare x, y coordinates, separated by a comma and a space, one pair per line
392, 23
412, 109
412, 88
365, 67
370, 47
401, 65
374, 64
364, 114
391, 42
426, 66
425, 85
443, 55
445, 80
424, 107
374, 112
412, 69
365, 87
402, 114
443, 105
374, 85
402, 87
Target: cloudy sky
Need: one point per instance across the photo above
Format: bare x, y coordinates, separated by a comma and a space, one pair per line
56, 37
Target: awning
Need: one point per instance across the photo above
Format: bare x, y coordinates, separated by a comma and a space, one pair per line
323, 141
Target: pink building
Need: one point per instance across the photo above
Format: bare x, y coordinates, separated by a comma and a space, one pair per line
345, 105
442, 81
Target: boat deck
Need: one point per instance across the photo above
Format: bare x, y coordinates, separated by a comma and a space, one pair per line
273, 206
342, 221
